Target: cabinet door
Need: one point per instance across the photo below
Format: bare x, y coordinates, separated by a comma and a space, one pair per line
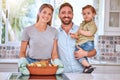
8, 67
112, 15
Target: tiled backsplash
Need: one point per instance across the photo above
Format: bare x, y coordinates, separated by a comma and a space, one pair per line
108, 49
9, 51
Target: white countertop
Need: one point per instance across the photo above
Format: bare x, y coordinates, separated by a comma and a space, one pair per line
75, 76
5, 75
93, 76
9, 60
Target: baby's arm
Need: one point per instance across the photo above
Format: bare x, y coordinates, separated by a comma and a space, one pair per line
91, 30
74, 35
85, 33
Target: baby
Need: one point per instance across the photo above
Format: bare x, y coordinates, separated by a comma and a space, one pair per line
85, 35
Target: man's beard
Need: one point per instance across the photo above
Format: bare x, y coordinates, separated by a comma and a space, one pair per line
66, 22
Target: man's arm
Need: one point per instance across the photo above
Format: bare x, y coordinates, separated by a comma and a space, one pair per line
81, 53
91, 53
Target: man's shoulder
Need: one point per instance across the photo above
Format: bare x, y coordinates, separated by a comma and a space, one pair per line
59, 28
76, 27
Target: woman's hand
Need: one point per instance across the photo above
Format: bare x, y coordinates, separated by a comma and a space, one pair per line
80, 53
22, 63
60, 65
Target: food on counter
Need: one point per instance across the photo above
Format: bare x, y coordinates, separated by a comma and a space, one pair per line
42, 68
43, 63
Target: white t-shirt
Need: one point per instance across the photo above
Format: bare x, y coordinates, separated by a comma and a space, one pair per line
40, 43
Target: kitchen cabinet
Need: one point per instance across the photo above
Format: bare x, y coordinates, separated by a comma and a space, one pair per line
112, 17
9, 57
7, 65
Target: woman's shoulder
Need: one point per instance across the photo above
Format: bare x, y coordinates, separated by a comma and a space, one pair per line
52, 28
28, 28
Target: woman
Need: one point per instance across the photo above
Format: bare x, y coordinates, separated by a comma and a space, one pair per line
35, 37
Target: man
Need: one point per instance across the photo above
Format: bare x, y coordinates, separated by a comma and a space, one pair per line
66, 44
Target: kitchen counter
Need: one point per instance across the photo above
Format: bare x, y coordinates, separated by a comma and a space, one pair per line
18, 76
5, 75
93, 76
9, 65
9, 60
66, 76
102, 72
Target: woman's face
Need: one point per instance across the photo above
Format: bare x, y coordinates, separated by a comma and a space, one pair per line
45, 15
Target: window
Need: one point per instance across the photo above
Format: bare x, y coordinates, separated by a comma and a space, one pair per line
17, 14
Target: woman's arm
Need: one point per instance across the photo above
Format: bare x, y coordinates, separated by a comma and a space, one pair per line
54, 51
81, 53
23, 49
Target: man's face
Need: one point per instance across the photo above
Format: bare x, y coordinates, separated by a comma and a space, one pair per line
66, 15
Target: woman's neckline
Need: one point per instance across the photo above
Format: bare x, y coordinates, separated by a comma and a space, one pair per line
40, 28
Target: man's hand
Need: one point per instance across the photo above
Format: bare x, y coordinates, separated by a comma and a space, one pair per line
80, 53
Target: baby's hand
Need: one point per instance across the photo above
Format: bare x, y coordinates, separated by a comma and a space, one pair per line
74, 35
79, 32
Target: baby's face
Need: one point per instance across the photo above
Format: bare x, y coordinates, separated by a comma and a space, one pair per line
88, 15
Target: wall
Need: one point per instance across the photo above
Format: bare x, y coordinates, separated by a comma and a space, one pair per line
108, 50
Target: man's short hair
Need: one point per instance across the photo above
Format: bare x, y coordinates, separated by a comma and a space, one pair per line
66, 4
